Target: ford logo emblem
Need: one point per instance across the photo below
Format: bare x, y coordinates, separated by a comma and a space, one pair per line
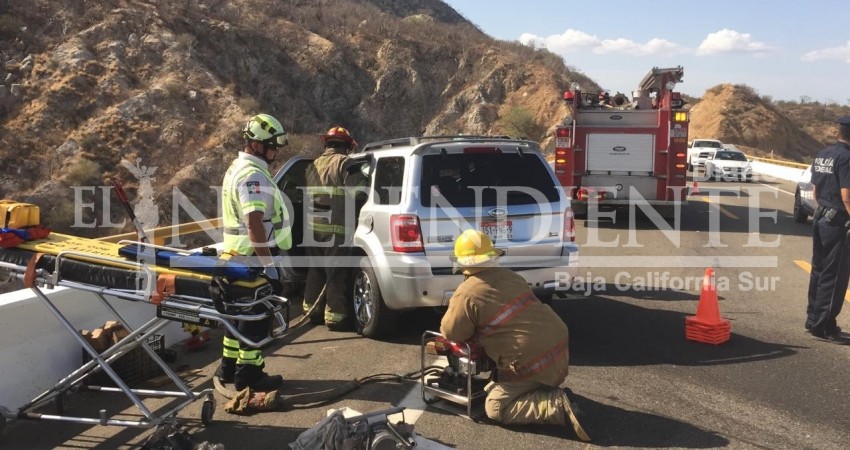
616, 117
619, 148
497, 212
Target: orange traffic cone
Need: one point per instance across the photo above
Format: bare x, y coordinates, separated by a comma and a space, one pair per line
707, 326
695, 189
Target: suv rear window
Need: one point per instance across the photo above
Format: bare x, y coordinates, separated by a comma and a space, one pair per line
708, 144
453, 178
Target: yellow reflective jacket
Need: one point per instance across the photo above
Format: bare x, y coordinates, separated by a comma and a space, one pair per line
249, 187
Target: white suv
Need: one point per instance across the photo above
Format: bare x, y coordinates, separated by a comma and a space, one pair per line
700, 149
423, 192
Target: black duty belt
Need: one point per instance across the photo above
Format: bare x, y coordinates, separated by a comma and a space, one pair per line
833, 215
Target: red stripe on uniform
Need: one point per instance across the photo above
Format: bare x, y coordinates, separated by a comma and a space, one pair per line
509, 311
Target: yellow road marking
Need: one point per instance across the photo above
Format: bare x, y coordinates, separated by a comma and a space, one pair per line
723, 210
808, 268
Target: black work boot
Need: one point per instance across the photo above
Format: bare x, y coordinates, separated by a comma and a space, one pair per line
226, 371
254, 378
318, 315
346, 324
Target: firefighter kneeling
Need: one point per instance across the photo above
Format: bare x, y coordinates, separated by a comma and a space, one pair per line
526, 339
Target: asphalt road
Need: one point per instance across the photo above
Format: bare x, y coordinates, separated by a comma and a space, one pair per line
640, 383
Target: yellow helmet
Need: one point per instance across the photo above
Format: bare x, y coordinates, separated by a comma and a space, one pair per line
474, 247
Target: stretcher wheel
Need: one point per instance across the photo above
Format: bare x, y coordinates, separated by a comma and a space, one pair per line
207, 411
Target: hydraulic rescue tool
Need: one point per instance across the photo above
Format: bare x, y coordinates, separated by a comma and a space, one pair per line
461, 381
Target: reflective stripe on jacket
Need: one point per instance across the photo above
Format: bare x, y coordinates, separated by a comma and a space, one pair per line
249, 176
326, 183
526, 339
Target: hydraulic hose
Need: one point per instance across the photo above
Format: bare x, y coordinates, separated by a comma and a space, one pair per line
321, 397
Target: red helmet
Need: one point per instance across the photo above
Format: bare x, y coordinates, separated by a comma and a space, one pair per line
568, 95
338, 134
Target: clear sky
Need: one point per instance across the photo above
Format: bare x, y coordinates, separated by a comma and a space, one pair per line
783, 49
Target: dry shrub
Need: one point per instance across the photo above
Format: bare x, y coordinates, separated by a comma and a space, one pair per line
185, 41
10, 26
249, 105
173, 86
518, 122
84, 172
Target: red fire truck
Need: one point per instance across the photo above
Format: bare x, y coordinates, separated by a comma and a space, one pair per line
626, 153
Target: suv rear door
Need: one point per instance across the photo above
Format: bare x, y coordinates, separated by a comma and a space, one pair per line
505, 189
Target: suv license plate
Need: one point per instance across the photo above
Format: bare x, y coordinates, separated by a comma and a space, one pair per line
498, 230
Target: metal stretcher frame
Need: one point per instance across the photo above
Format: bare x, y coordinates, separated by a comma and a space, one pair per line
194, 308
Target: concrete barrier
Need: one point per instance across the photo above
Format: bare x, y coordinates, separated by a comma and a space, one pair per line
37, 351
785, 173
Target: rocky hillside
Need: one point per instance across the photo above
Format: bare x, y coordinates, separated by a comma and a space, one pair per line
783, 130
154, 93
159, 89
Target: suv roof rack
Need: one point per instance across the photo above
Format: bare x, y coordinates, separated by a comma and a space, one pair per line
411, 141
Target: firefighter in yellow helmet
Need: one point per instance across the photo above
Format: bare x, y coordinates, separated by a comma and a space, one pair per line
527, 340
331, 188
256, 225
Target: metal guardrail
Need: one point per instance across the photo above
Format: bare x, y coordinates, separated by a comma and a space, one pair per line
159, 235
780, 162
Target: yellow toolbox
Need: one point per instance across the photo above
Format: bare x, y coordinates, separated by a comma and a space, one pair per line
18, 214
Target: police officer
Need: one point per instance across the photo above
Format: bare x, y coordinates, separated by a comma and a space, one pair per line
331, 189
256, 225
526, 339
830, 268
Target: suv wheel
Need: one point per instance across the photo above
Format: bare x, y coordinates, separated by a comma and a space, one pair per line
374, 319
800, 215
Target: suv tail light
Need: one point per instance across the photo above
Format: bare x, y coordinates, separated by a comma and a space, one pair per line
569, 226
406, 233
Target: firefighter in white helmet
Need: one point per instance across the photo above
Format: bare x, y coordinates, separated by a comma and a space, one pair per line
256, 225
526, 339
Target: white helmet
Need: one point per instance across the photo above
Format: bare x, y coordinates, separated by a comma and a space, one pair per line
266, 129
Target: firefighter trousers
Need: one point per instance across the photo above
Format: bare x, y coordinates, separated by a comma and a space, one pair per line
329, 269
525, 402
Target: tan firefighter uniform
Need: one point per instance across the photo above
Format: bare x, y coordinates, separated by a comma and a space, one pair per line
332, 227
526, 339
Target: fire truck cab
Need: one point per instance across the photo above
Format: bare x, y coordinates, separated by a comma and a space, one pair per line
612, 152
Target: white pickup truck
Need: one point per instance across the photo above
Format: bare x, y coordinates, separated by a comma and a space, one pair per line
700, 149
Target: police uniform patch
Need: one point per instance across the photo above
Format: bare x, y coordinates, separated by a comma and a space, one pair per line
253, 187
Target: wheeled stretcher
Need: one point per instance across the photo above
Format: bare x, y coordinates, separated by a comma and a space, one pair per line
195, 288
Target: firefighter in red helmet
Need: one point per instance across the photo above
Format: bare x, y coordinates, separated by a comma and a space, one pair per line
331, 189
